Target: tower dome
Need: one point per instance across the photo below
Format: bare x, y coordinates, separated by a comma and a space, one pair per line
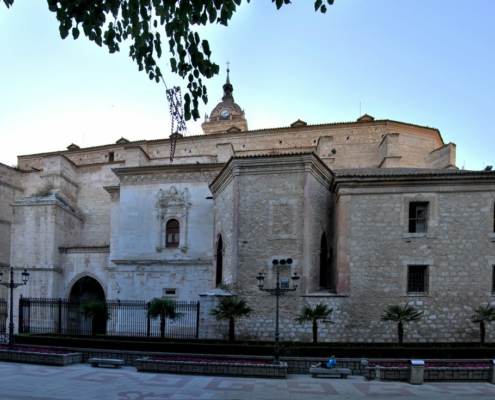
227, 116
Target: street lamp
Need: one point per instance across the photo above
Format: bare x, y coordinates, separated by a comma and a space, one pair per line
281, 288
12, 285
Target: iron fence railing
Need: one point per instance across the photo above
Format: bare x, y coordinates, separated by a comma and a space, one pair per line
127, 318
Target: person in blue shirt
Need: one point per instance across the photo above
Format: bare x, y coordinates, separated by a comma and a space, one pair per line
330, 364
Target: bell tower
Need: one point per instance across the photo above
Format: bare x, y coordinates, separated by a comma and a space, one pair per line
227, 116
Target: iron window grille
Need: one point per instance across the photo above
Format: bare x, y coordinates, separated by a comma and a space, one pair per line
417, 279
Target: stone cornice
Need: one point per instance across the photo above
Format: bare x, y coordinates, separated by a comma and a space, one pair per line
34, 201
19, 188
396, 183
89, 249
157, 265
273, 164
168, 173
114, 191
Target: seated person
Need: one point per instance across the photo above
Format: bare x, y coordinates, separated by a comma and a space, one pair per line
331, 363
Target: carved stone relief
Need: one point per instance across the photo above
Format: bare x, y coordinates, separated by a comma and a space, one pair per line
282, 219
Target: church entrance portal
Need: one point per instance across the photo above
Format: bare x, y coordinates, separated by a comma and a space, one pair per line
85, 290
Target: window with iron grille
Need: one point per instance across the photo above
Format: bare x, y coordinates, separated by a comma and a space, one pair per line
417, 279
172, 233
417, 217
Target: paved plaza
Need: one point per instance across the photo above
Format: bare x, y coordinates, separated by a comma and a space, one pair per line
82, 382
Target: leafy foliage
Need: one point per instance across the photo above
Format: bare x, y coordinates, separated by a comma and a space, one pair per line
163, 309
230, 308
320, 312
111, 22
97, 310
94, 308
401, 315
483, 316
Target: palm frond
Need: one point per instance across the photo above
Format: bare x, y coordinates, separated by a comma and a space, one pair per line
320, 313
230, 307
397, 313
485, 314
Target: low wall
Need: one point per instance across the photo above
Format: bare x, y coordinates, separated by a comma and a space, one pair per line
432, 374
211, 368
437, 373
40, 358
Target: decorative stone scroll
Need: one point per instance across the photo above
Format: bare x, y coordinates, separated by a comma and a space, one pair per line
172, 204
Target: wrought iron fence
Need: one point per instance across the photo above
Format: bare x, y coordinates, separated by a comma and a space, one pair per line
127, 318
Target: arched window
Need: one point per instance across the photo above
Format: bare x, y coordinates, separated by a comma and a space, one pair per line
172, 233
324, 263
218, 278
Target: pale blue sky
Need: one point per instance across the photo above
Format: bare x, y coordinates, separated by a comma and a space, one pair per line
426, 62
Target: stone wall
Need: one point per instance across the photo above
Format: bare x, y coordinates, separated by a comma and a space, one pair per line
276, 218
457, 250
10, 189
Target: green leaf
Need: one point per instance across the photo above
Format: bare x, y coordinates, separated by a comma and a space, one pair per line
75, 33
212, 12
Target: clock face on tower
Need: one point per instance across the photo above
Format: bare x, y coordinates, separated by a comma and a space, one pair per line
224, 113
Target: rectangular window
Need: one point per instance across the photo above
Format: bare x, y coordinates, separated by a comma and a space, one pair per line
417, 279
417, 217
493, 279
111, 156
169, 292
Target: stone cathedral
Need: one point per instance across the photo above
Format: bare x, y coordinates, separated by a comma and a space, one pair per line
372, 213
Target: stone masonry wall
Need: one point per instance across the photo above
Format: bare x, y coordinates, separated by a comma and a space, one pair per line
457, 249
9, 190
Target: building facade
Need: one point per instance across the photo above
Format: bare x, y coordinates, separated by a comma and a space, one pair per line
372, 213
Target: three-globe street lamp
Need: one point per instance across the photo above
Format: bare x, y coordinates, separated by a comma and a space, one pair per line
281, 288
12, 285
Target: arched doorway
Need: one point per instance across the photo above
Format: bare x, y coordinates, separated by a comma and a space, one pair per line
219, 271
85, 290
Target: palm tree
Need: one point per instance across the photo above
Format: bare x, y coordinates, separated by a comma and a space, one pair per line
163, 309
483, 315
401, 315
321, 312
230, 308
98, 311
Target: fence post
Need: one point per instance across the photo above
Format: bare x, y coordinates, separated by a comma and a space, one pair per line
197, 320
20, 324
148, 319
59, 315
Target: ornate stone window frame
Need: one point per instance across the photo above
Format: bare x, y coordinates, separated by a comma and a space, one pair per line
172, 204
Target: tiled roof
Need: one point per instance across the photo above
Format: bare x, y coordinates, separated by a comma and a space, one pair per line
371, 172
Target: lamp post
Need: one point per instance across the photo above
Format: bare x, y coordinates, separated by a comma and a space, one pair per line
12, 285
281, 288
